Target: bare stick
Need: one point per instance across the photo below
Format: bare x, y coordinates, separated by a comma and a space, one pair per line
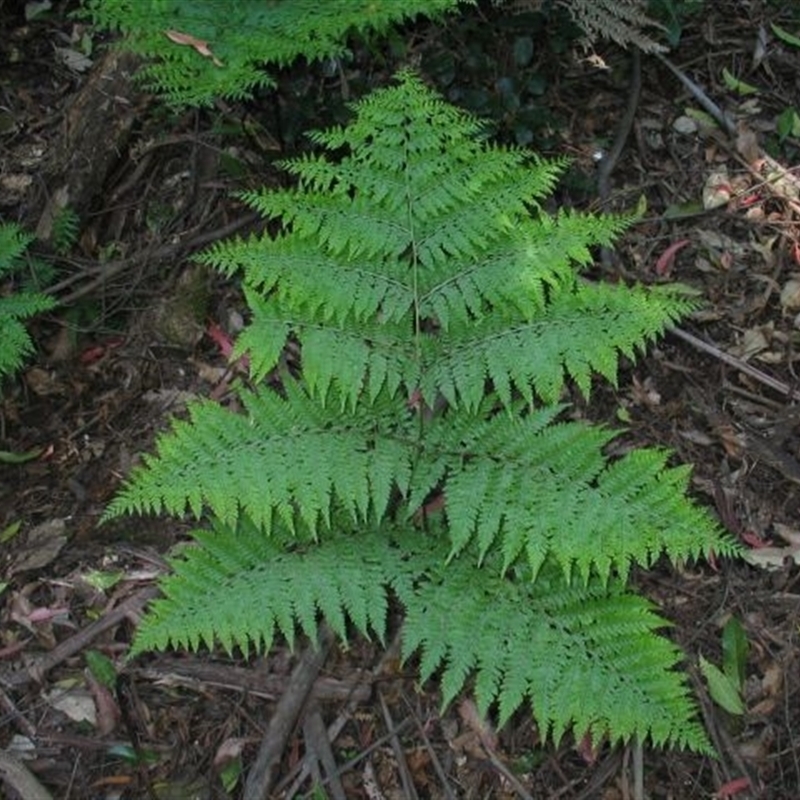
405, 774
723, 118
37, 669
736, 363
287, 711
19, 778
166, 252
319, 744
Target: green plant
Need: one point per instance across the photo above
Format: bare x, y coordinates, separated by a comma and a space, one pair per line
726, 685
422, 448
674, 16
197, 52
622, 21
15, 305
66, 227
201, 51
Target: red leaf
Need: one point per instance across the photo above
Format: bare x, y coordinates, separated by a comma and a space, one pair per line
731, 788
754, 540
220, 339
667, 258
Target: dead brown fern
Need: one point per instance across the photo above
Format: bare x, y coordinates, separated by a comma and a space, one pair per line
622, 21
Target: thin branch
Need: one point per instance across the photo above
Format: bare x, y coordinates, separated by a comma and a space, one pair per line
75, 644
20, 779
736, 363
287, 711
166, 252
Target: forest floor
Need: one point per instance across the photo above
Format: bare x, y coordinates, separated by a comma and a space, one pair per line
141, 330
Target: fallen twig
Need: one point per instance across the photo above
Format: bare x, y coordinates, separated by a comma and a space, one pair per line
437, 764
319, 744
287, 711
736, 363
726, 122
36, 670
168, 252
409, 790
609, 161
170, 671
20, 779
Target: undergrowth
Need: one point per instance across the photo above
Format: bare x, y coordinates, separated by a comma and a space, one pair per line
196, 52
421, 449
17, 303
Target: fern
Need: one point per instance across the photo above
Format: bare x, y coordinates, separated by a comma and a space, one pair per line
587, 654
15, 306
66, 226
623, 21
198, 51
230, 41
440, 313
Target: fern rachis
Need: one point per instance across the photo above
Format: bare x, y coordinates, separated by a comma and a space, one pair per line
419, 271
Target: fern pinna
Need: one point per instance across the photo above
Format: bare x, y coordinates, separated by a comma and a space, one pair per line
423, 452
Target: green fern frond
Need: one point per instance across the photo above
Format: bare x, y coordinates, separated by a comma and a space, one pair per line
421, 448
539, 642
291, 457
16, 306
239, 588
13, 243
550, 493
23, 305
522, 641
66, 226
16, 344
242, 37
582, 331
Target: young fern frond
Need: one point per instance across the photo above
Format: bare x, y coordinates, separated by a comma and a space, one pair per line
421, 450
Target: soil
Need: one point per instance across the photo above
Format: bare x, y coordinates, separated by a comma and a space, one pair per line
141, 330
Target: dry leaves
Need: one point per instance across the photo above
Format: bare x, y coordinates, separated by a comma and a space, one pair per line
199, 45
